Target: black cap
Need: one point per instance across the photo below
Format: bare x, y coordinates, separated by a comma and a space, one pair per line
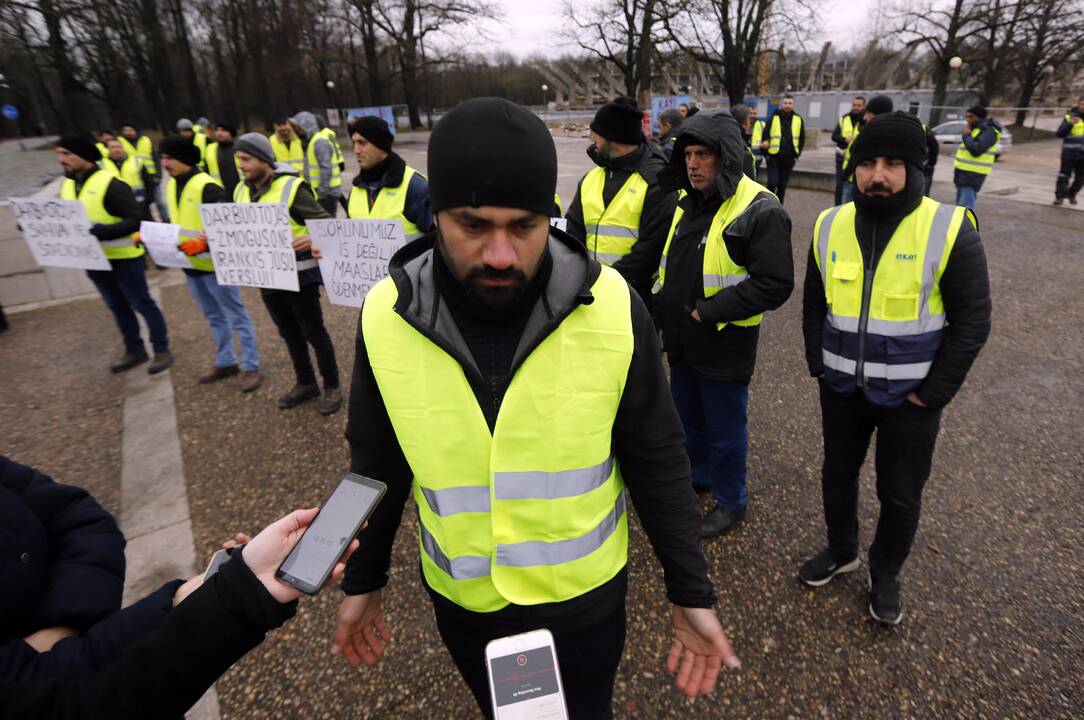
489, 151
978, 110
82, 145
374, 129
228, 127
620, 120
879, 105
181, 149
896, 134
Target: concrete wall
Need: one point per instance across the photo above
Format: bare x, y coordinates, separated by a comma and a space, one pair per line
22, 281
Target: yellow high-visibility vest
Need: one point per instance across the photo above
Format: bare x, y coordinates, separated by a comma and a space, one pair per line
903, 313
720, 270
611, 229
282, 190
143, 151
185, 212
535, 511
211, 163
389, 205
92, 195
312, 165
775, 134
292, 154
981, 165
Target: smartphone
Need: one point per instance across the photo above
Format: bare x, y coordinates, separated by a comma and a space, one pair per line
341, 516
524, 679
217, 559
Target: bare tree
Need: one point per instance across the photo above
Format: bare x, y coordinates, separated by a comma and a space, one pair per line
1051, 38
1001, 22
622, 33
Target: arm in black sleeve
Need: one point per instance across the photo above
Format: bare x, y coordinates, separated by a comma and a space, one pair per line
1063, 129
84, 580
980, 144
801, 138
764, 230
305, 206
837, 137
965, 288
417, 208
650, 447
642, 262
574, 216
120, 202
374, 452
165, 672
213, 193
814, 311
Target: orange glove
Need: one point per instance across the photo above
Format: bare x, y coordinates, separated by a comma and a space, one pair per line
193, 246
135, 238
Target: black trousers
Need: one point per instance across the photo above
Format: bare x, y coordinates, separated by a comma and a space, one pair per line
905, 443
1070, 168
300, 322
588, 657
779, 176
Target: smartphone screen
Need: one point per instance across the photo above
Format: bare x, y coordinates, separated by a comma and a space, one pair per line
340, 518
525, 685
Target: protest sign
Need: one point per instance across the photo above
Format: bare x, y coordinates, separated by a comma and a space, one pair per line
354, 255
160, 239
665, 102
251, 244
58, 233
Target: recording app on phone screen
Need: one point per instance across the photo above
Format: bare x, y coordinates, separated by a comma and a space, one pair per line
328, 535
525, 686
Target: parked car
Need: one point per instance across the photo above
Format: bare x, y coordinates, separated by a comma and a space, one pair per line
949, 133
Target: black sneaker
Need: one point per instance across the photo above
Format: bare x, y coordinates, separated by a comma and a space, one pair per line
1058, 201
297, 395
162, 362
822, 568
129, 361
884, 601
720, 521
1072, 199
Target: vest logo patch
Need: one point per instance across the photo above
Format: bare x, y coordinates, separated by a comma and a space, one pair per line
905, 257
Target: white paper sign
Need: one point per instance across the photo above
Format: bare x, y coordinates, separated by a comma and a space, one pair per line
160, 239
354, 255
58, 233
251, 244
559, 223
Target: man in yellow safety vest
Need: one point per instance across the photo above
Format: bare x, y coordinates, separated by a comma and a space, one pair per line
896, 307
1071, 132
515, 385
843, 135
286, 145
115, 216
975, 155
321, 161
784, 144
139, 146
126, 167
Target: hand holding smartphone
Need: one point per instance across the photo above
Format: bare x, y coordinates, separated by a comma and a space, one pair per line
309, 564
524, 679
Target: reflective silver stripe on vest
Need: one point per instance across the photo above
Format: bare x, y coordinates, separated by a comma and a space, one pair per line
903, 371
890, 328
466, 567
529, 554
723, 281
608, 258
188, 233
202, 256
822, 241
122, 242
454, 500
970, 161
306, 264
540, 485
617, 231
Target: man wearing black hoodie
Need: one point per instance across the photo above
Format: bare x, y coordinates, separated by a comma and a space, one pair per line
727, 261
619, 212
896, 308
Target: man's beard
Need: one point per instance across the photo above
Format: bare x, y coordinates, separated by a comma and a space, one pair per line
495, 300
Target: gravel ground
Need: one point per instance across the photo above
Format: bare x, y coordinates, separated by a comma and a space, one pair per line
67, 423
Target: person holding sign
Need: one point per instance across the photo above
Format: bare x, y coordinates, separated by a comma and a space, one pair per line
297, 315
385, 188
115, 214
517, 385
188, 188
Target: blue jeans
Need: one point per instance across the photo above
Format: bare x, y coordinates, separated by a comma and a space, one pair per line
124, 289
224, 309
965, 197
716, 433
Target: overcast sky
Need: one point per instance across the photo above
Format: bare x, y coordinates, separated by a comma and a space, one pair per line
533, 26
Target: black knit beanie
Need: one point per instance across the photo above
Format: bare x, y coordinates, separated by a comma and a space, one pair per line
489, 151
879, 105
228, 127
374, 129
896, 134
181, 149
82, 145
978, 111
620, 120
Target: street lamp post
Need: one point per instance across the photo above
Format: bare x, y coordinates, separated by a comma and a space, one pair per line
545, 103
330, 85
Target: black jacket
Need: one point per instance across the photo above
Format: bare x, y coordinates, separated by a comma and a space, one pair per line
1074, 150
933, 151
390, 173
965, 288
120, 202
759, 240
977, 146
163, 673
647, 435
640, 265
304, 207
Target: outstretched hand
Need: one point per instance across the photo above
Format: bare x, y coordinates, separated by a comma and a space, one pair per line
700, 649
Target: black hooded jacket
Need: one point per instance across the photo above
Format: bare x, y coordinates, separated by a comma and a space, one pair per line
640, 265
759, 241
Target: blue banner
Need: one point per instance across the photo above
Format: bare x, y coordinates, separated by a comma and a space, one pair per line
665, 102
380, 111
